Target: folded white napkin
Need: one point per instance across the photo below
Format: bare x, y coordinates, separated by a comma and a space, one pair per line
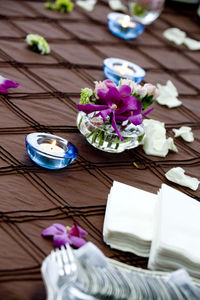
176, 237
128, 223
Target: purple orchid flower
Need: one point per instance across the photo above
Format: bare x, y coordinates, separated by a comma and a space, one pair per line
117, 103
6, 84
62, 235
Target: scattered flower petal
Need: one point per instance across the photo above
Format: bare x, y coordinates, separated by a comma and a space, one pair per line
168, 95
185, 132
179, 37
192, 44
117, 5
177, 175
155, 142
171, 145
86, 4
38, 43
62, 235
6, 84
175, 35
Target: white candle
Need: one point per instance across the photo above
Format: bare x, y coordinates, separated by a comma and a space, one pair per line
126, 22
124, 69
52, 147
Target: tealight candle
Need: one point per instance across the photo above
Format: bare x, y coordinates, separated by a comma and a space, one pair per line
126, 22
116, 68
50, 151
123, 26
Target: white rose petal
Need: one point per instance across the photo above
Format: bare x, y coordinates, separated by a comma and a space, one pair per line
167, 95
179, 37
175, 35
117, 5
171, 145
86, 4
185, 132
155, 142
192, 44
177, 175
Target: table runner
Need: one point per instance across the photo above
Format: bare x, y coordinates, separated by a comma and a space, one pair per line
33, 198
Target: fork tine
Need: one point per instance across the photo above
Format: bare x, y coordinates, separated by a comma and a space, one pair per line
59, 262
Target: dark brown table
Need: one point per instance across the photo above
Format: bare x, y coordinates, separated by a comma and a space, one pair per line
32, 198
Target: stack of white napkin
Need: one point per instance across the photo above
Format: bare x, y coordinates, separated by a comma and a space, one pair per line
165, 227
128, 223
176, 237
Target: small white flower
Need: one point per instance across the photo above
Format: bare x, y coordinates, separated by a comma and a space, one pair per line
151, 89
185, 132
177, 175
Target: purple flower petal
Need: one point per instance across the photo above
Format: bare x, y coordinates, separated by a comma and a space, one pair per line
109, 83
61, 240
88, 108
61, 236
112, 96
124, 90
114, 125
136, 119
147, 111
78, 231
3, 90
130, 104
54, 229
10, 84
104, 113
5, 84
77, 241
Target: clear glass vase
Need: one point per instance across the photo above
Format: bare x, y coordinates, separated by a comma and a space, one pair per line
103, 137
145, 11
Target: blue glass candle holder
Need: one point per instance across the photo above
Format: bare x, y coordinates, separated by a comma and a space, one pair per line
50, 151
123, 26
116, 68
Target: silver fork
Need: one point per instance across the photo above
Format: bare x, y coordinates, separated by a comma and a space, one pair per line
67, 266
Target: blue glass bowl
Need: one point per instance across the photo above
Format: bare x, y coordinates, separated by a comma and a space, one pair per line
50, 159
123, 33
114, 75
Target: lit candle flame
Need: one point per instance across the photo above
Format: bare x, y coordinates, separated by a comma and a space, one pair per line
124, 68
53, 144
126, 21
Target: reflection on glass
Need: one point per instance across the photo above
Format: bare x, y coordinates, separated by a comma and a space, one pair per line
145, 11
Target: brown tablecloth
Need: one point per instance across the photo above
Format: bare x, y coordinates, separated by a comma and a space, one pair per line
32, 198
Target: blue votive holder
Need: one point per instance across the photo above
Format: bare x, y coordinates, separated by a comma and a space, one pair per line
123, 26
50, 151
116, 68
